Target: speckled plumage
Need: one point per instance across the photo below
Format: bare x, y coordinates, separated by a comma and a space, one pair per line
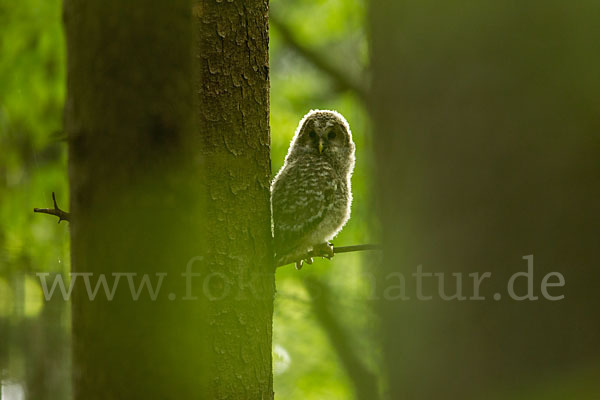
311, 194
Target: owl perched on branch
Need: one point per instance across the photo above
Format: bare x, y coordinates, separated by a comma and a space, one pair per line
311, 194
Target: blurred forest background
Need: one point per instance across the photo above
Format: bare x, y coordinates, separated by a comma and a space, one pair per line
310, 68
489, 153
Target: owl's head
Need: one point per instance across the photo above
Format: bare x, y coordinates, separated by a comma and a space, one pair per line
323, 133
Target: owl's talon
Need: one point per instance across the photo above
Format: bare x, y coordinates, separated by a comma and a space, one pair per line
324, 250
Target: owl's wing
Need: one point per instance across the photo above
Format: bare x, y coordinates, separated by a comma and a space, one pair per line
300, 202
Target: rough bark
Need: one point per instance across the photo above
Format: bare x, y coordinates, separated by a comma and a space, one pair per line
160, 180
232, 113
487, 152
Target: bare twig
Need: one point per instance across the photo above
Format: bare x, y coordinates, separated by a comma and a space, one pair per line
341, 78
357, 247
62, 215
336, 250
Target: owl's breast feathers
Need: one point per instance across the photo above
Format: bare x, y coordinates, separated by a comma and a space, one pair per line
310, 205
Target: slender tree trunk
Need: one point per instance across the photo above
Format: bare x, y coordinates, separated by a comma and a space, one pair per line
487, 145
163, 189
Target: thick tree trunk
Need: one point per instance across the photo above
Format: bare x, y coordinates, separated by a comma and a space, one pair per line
160, 189
486, 122
232, 113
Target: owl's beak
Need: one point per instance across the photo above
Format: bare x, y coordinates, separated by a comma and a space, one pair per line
320, 146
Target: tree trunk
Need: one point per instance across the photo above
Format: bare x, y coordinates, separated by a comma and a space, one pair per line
171, 187
232, 112
486, 121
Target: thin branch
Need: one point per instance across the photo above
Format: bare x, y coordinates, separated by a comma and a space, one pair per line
341, 78
62, 215
336, 250
357, 247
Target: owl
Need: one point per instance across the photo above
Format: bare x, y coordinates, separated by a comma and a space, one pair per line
311, 194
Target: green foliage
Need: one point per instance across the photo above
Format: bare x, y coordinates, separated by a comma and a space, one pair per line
33, 334
32, 158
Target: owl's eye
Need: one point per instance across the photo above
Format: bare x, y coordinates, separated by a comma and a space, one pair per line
331, 135
312, 134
